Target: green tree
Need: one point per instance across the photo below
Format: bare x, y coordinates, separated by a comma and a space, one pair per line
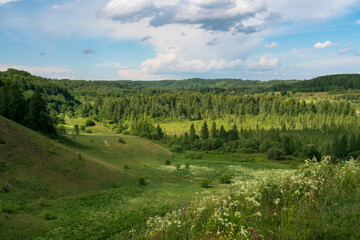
193, 135
76, 130
205, 131
214, 131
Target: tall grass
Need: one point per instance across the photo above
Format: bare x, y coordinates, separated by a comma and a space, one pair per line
320, 200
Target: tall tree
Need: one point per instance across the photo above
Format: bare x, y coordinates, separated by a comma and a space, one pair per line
214, 131
204, 131
193, 135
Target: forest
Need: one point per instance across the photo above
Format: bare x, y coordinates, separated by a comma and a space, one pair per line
274, 120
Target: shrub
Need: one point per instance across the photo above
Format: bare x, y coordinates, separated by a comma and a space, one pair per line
204, 183
76, 129
2, 141
88, 131
310, 151
141, 181
79, 156
2, 166
187, 165
176, 149
177, 166
82, 128
126, 167
49, 216
275, 153
225, 178
61, 129
89, 123
167, 162
121, 140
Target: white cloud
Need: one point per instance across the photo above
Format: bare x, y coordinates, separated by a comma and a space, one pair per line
40, 71
272, 45
326, 44
2, 2
358, 22
345, 51
173, 63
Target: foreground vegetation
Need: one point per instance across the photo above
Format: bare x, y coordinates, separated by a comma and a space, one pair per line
320, 200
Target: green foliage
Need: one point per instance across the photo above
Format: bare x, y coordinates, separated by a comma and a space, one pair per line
204, 183
89, 123
311, 151
49, 216
3, 166
176, 149
121, 140
141, 181
88, 131
76, 130
204, 131
126, 167
177, 166
187, 165
225, 178
82, 128
167, 162
2, 142
275, 153
61, 129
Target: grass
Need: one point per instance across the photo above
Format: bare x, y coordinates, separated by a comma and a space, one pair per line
56, 194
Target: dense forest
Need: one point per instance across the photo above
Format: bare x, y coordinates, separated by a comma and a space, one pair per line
260, 118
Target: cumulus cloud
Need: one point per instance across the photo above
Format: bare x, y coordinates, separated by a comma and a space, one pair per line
128, 11
172, 63
272, 45
144, 39
88, 51
2, 2
247, 16
326, 44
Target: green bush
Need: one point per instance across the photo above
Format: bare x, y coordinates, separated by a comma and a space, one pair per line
48, 215
275, 153
176, 149
126, 167
89, 123
88, 131
82, 128
121, 140
141, 181
204, 183
2, 166
225, 178
167, 162
310, 151
177, 166
187, 165
61, 129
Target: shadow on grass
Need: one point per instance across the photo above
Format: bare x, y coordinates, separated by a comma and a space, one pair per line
68, 141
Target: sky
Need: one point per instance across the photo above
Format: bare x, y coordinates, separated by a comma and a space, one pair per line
179, 39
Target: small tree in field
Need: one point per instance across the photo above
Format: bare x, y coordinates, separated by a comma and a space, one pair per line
142, 181
76, 130
204, 183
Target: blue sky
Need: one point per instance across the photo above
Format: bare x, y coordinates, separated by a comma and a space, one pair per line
177, 39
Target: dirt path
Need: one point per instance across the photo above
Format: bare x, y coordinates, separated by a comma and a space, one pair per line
108, 146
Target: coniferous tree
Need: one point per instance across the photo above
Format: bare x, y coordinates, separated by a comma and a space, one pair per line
204, 131
343, 146
214, 131
223, 136
193, 135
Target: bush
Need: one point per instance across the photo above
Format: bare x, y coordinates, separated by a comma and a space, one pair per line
89, 123
225, 178
167, 162
204, 183
2, 141
88, 131
126, 167
61, 129
2, 166
142, 181
49, 216
275, 153
176, 149
121, 140
310, 151
177, 166
187, 165
82, 128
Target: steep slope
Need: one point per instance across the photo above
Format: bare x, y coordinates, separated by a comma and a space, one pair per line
36, 166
